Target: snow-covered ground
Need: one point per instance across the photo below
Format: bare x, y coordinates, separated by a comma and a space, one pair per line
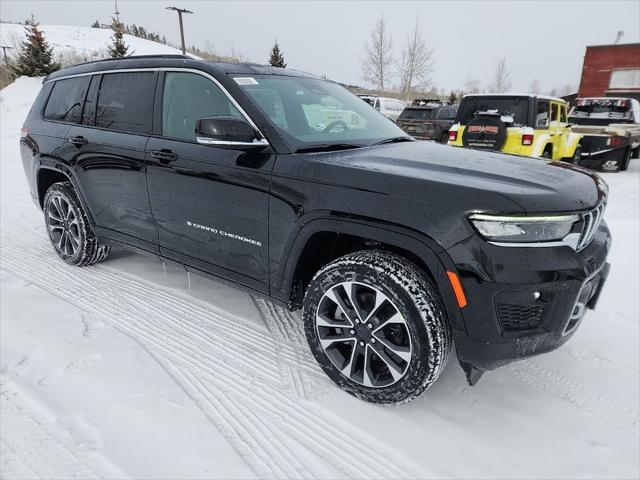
81, 42
125, 370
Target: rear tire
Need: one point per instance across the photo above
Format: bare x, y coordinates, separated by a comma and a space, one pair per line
69, 229
377, 327
546, 154
444, 138
636, 153
577, 155
624, 165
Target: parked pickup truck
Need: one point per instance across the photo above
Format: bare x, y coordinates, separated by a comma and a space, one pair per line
611, 131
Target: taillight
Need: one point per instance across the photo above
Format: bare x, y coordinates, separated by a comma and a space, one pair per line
453, 135
615, 141
527, 138
24, 132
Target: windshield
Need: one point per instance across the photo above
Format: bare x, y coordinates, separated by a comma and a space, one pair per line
308, 111
516, 107
416, 114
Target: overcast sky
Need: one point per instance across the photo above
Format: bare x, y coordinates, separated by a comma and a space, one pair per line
543, 39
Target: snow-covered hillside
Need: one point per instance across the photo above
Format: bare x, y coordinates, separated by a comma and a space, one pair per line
81, 42
126, 369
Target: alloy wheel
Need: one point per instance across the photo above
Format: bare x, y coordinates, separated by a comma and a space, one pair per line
64, 228
363, 334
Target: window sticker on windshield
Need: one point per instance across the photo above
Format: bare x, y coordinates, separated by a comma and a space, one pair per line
300, 92
246, 81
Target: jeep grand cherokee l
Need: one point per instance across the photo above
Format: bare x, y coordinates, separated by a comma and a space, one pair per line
395, 249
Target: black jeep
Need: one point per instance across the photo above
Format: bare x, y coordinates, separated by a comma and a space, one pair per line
427, 120
395, 249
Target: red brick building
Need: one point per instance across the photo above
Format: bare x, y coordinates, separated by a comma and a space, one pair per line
611, 71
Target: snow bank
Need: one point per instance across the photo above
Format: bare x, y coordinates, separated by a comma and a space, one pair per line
82, 42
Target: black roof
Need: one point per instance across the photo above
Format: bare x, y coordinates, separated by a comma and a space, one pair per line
183, 61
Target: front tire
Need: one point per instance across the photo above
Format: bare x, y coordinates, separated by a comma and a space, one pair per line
376, 326
69, 229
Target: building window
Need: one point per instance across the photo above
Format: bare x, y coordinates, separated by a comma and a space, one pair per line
626, 78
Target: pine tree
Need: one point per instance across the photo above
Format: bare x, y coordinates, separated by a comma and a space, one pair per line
36, 57
453, 98
118, 48
277, 59
95, 24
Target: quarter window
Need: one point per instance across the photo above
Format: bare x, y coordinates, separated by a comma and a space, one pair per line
65, 101
188, 97
125, 101
554, 112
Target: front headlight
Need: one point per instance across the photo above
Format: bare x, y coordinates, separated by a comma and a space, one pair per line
514, 229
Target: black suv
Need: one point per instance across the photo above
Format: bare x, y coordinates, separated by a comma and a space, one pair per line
395, 249
428, 121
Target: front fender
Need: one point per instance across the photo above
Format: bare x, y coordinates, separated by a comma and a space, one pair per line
435, 258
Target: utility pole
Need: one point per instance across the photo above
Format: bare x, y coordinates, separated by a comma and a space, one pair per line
4, 52
180, 12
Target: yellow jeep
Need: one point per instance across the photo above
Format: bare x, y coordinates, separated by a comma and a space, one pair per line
530, 125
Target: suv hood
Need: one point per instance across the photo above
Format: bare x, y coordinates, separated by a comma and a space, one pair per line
532, 185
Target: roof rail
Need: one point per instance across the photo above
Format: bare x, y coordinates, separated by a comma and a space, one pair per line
138, 57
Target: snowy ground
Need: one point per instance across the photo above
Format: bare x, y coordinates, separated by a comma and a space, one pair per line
81, 41
122, 370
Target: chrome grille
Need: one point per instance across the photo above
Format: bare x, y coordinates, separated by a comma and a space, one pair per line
590, 223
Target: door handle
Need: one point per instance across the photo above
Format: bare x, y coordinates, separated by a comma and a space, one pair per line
165, 156
78, 141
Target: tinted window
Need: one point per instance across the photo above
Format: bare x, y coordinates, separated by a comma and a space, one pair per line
125, 101
65, 101
188, 97
542, 114
516, 107
447, 113
563, 114
416, 114
554, 112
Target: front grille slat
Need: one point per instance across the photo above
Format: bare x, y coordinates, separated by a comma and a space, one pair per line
591, 221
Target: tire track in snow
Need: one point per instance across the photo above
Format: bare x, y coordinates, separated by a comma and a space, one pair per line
34, 447
599, 406
235, 393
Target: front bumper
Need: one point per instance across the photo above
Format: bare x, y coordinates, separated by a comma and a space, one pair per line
524, 301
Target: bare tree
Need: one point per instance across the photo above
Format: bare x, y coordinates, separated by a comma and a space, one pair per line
378, 55
471, 85
416, 63
501, 78
534, 86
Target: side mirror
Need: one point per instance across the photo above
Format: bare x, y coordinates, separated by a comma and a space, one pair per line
227, 131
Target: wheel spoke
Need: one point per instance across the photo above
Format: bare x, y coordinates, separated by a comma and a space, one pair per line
323, 320
348, 368
380, 300
395, 370
368, 377
56, 227
329, 339
350, 289
54, 217
401, 351
395, 318
337, 299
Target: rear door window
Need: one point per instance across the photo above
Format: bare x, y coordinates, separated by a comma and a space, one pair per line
125, 101
542, 114
66, 99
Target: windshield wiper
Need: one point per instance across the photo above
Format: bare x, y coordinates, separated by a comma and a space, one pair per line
394, 140
327, 147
